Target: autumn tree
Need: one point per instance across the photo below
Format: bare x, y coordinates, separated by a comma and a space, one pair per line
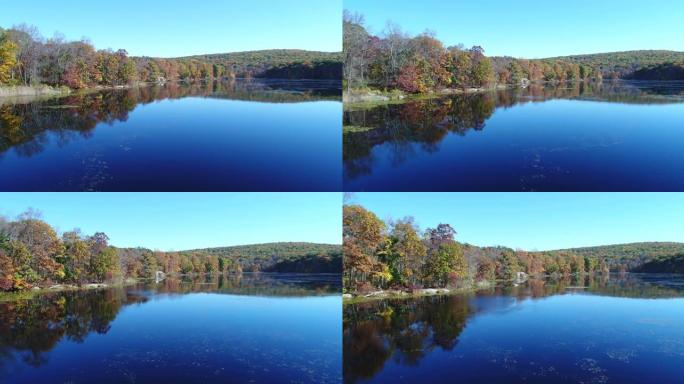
41, 243
410, 251
8, 52
516, 72
105, 265
76, 257
509, 265
362, 235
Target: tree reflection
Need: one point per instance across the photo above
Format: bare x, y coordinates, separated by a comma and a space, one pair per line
407, 330
424, 124
31, 327
26, 126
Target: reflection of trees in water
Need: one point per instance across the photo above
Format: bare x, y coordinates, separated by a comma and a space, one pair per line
427, 122
29, 328
263, 284
424, 122
405, 330
26, 127
32, 327
408, 330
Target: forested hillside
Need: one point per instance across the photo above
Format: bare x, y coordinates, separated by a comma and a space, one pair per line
32, 253
278, 63
27, 58
281, 257
379, 254
674, 264
626, 65
629, 256
422, 63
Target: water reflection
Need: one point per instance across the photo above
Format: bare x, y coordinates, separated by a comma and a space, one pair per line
392, 144
393, 337
33, 325
24, 125
240, 136
30, 328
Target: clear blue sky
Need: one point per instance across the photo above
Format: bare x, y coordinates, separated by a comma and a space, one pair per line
536, 28
168, 221
171, 28
540, 221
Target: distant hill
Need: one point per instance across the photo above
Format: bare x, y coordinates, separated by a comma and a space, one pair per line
660, 257
278, 63
281, 257
674, 264
660, 72
633, 255
624, 65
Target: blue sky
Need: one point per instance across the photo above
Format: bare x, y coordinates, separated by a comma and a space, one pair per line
540, 221
179, 221
173, 28
536, 28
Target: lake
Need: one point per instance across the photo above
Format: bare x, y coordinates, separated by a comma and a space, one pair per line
612, 136
245, 135
623, 330
259, 328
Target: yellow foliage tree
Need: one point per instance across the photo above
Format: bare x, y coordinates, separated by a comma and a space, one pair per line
8, 59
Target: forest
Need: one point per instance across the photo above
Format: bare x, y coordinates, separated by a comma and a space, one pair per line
281, 257
395, 60
32, 254
398, 254
28, 59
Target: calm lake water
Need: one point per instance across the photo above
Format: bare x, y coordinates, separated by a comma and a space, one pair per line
621, 136
239, 136
255, 328
617, 330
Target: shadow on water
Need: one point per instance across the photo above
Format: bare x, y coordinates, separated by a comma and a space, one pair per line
391, 338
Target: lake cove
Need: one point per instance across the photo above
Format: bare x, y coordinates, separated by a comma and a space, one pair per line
610, 136
266, 135
239, 328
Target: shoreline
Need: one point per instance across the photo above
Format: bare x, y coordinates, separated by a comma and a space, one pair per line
361, 97
32, 292
355, 298
36, 290
348, 298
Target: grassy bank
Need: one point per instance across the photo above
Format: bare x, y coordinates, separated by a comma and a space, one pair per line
38, 90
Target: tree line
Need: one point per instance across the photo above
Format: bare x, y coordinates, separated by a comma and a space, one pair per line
26, 58
397, 254
418, 64
283, 257
629, 64
32, 254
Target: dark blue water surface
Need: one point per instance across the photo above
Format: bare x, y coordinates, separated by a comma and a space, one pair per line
233, 136
259, 329
617, 330
622, 136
